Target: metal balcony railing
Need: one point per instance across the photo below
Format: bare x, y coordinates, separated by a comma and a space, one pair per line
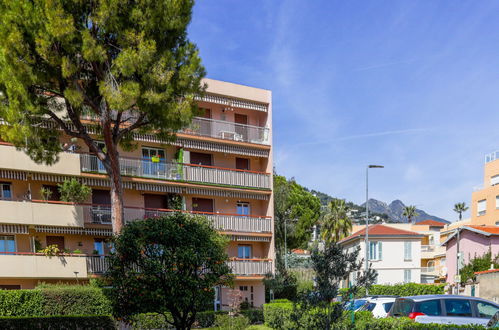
227, 130
101, 214
100, 264
182, 172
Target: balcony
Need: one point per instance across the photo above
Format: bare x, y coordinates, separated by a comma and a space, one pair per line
41, 213
101, 214
242, 267
431, 251
432, 270
143, 168
31, 265
226, 130
247, 267
13, 159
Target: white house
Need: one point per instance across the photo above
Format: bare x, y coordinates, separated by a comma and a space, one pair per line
394, 253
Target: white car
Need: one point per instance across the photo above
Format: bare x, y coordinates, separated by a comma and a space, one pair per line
379, 306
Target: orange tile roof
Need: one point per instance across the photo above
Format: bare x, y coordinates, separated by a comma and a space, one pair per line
487, 271
381, 230
299, 251
432, 223
489, 229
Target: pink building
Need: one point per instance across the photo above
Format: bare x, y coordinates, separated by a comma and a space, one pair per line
473, 241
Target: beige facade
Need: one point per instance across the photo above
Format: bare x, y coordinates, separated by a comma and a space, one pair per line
225, 174
485, 197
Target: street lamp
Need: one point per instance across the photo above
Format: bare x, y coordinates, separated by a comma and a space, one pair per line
367, 218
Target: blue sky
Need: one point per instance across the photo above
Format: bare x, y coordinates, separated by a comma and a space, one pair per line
412, 85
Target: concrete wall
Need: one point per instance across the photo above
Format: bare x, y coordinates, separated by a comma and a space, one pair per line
488, 286
31, 266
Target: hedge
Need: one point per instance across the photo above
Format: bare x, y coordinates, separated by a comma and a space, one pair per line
97, 322
408, 289
55, 300
277, 315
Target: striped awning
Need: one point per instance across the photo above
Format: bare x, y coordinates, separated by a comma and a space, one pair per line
74, 231
243, 238
13, 229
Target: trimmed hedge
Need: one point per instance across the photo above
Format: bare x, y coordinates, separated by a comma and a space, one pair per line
277, 315
408, 289
55, 300
97, 322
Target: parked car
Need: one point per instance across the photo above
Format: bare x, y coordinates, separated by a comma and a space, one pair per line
357, 304
445, 309
379, 307
494, 321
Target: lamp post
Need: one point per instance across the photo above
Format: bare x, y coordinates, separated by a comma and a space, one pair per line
367, 217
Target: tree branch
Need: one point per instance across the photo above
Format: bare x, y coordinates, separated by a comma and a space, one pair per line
139, 123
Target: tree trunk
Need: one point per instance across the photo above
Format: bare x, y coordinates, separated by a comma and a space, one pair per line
114, 173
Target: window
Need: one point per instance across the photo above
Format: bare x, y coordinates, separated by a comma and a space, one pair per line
244, 251
5, 190
387, 306
152, 154
482, 207
497, 202
458, 307
199, 158
429, 307
407, 251
407, 276
243, 288
494, 180
375, 251
7, 244
486, 310
243, 208
442, 262
99, 247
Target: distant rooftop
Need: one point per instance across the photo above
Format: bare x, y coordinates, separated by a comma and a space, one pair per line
432, 223
383, 231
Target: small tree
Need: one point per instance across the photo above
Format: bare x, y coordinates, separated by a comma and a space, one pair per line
74, 191
460, 208
478, 264
46, 193
316, 309
410, 212
168, 265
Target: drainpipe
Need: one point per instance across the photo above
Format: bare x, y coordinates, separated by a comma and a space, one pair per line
457, 257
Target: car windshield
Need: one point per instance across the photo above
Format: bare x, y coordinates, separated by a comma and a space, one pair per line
402, 307
387, 306
357, 303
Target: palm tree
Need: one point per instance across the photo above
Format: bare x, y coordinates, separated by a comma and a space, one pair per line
335, 224
460, 208
410, 212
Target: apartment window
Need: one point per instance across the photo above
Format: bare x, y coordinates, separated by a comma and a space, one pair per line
242, 164
199, 158
7, 244
5, 190
99, 247
244, 251
407, 275
375, 251
494, 180
243, 288
482, 207
243, 208
497, 202
407, 251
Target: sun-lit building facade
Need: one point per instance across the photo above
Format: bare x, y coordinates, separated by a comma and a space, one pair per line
220, 167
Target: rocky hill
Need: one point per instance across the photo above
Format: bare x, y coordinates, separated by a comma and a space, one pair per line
395, 209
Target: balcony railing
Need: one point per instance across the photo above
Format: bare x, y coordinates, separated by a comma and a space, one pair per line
101, 214
428, 248
182, 172
100, 264
227, 130
428, 270
250, 266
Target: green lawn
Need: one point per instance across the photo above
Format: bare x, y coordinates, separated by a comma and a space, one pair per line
251, 327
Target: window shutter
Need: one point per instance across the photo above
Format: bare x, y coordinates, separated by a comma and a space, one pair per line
407, 251
380, 251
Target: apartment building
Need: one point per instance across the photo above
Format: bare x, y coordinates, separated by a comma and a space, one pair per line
394, 253
220, 167
485, 197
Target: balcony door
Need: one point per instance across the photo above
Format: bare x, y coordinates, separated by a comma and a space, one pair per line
205, 125
56, 240
7, 243
101, 208
55, 194
242, 164
200, 158
153, 162
243, 208
202, 205
241, 129
152, 202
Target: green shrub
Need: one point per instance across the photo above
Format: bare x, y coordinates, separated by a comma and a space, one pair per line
227, 322
207, 319
255, 316
279, 301
21, 303
407, 289
75, 300
58, 323
277, 315
149, 321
